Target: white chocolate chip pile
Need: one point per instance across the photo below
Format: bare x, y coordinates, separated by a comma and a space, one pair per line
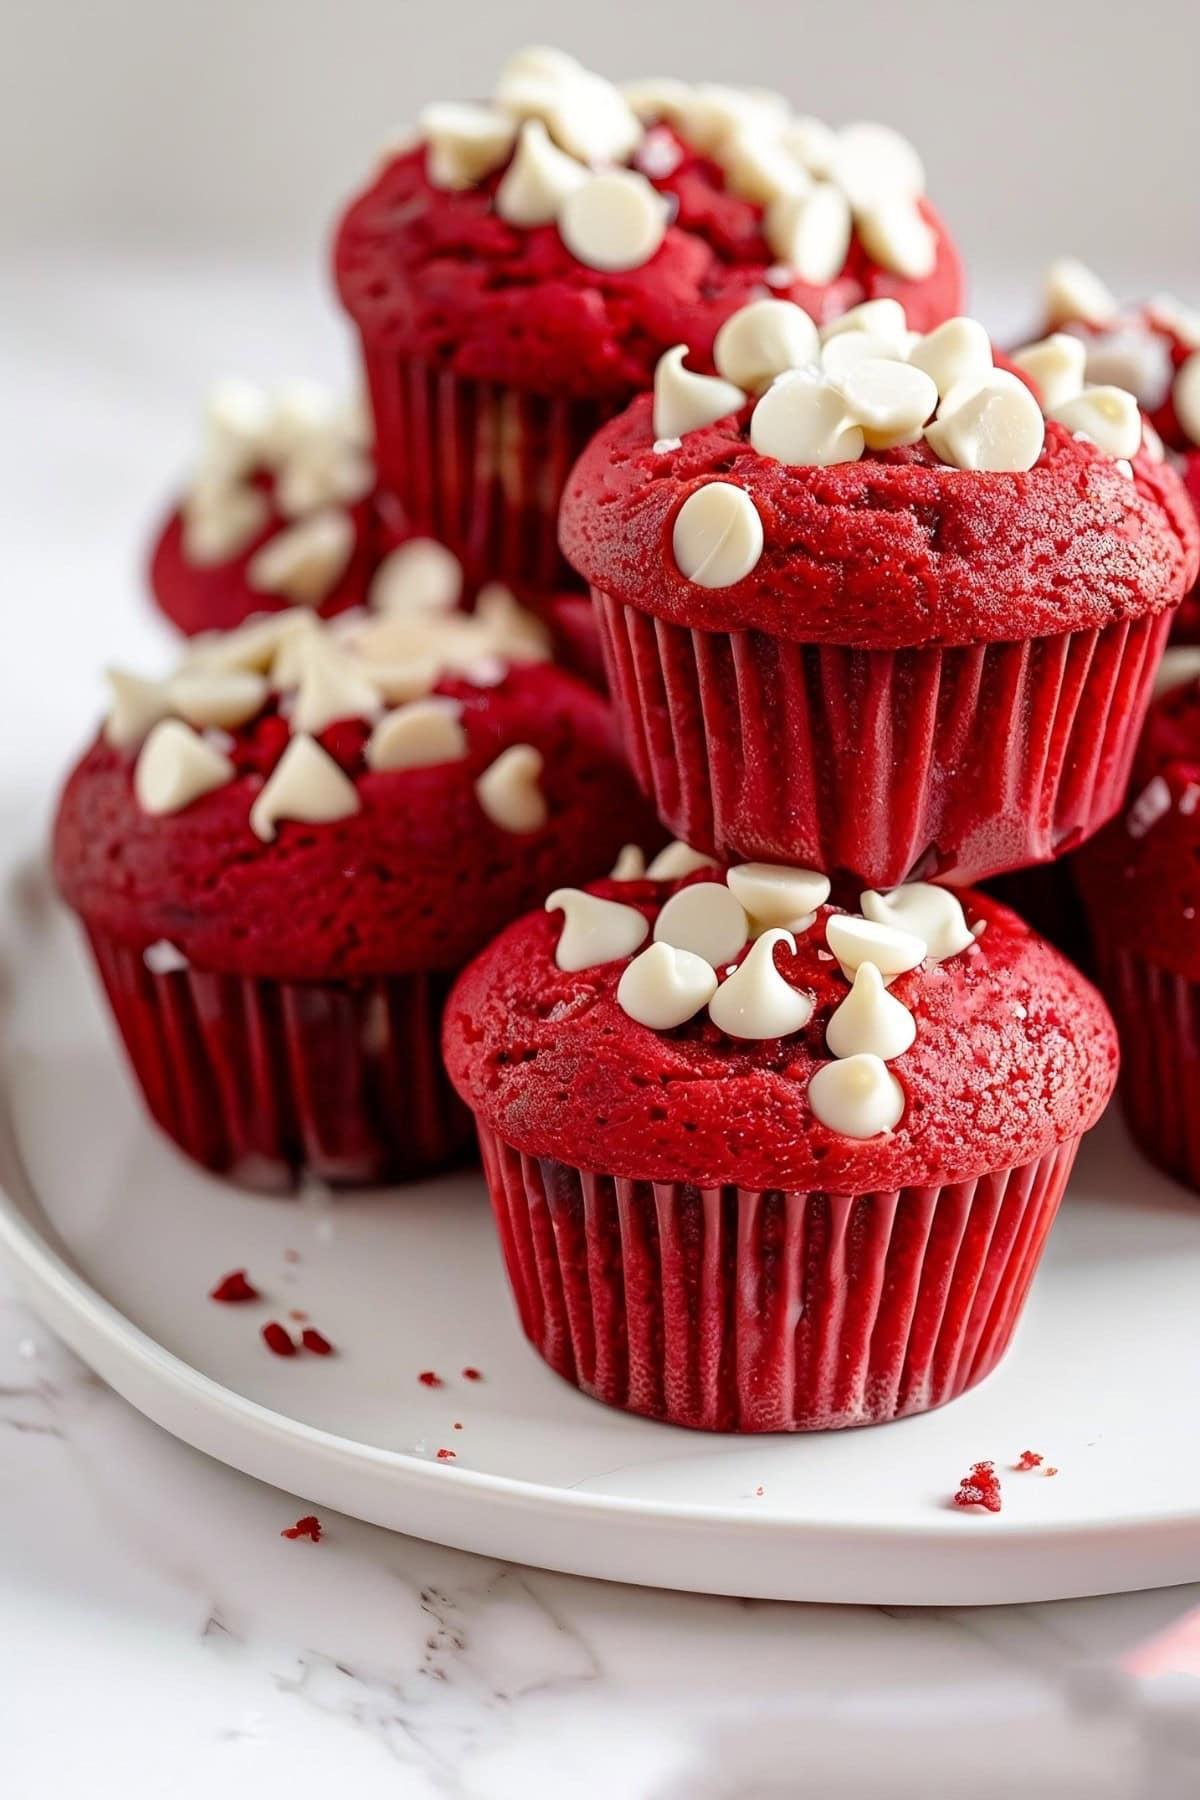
316, 450
568, 137
698, 959
1119, 348
866, 382
378, 667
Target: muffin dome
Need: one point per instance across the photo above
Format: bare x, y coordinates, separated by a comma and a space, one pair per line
446, 258
266, 814
1013, 1053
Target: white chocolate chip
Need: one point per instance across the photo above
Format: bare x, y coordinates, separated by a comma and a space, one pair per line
237, 421
302, 412
676, 861
658, 97
466, 142
1134, 358
213, 697
164, 958
1151, 805
810, 232
718, 535
854, 941
874, 164
665, 987
258, 645
630, 864
804, 421
1073, 293
417, 577
1107, 415
889, 400
1186, 397
1170, 314
706, 918
812, 142
305, 561
538, 179
774, 894
306, 785
841, 354
175, 767
613, 221
870, 1021
759, 168
137, 705
959, 350
586, 115
418, 735
761, 340
1180, 664
219, 519
716, 111
594, 931
997, 427
756, 1001
330, 474
685, 401
882, 318
894, 235
1055, 365
510, 792
331, 687
858, 1097
931, 913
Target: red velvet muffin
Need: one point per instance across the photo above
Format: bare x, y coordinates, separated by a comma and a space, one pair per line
864, 607
1140, 880
759, 1164
516, 272
282, 854
278, 511
1152, 349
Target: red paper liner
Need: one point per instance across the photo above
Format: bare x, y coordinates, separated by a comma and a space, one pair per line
265, 1080
885, 764
734, 1309
479, 465
1158, 1024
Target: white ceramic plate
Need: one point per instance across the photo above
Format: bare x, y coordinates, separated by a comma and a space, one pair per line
118, 1241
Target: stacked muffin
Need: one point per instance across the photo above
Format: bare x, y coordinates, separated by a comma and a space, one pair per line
774, 1124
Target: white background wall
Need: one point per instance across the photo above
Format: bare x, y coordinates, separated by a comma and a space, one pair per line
236, 125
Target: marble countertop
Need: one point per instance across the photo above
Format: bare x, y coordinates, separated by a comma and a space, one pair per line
160, 1637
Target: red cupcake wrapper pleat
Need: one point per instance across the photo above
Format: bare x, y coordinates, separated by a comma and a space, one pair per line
265, 1080
885, 764
479, 465
736, 1309
1158, 1022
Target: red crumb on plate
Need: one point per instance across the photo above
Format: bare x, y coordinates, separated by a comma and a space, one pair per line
1051, 1470
316, 1341
307, 1527
472, 1375
458, 1424
980, 1487
758, 1490
446, 1455
428, 1378
292, 1256
276, 1338
296, 1314
1029, 1459
233, 1288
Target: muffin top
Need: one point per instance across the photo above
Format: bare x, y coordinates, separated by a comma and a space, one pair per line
1141, 875
564, 235
873, 486
278, 510
737, 1028
1150, 348
372, 796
